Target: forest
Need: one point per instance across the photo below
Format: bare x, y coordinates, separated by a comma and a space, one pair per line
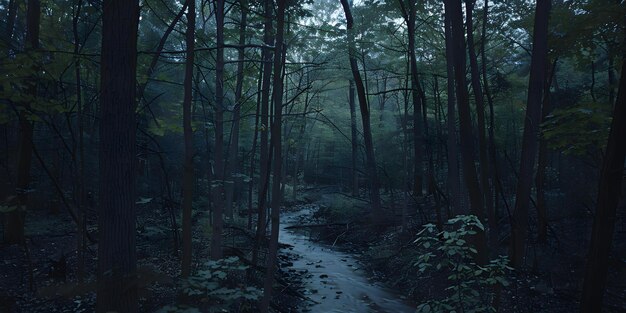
312, 156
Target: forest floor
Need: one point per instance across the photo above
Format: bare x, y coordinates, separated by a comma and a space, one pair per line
550, 284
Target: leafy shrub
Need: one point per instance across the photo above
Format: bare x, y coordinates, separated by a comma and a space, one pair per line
470, 286
219, 284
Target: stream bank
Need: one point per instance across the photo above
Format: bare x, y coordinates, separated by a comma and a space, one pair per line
333, 280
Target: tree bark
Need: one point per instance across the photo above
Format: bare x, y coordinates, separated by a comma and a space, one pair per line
14, 230
117, 290
408, 13
232, 165
538, 64
465, 124
277, 97
365, 117
453, 178
264, 155
609, 189
218, 210
355, 139
480, 115
188, 140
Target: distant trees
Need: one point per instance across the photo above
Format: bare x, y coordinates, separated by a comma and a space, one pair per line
117, 257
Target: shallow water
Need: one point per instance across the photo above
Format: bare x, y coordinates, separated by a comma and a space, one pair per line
333, 279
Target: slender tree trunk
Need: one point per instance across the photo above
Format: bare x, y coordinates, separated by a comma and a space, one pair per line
272, 257
409, 14
80, 181
117, 258
492, 138
188, 139
232, 166
453, 179
253, 154
365, 117
530, 140
218, 219
264, 155
14, 230
465, 124
355, 139
609, 189
480, 116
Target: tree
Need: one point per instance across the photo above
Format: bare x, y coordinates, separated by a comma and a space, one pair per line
538, 65
188, 139
453, 179
117, 289
14, 231
276, 144
218, 186
480, 114
611, 179
465, 123
365, 118
409, 14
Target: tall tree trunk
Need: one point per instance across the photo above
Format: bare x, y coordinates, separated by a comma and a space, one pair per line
277, 97
264, 155
609, 189
354, 139
530, 140
365, 117
453, 179
80, 173
542, 163
465, 124
480, 115
409, 12
218, 210
188, 139
117, 257
232, 166
14, 230
492, 138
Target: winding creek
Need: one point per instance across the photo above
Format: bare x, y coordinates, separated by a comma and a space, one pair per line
334, 280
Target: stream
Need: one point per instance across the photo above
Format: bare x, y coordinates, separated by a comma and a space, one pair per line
333, 279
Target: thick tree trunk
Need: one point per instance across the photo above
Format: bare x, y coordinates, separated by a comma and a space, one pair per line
272, 257
117, 289
542, 163
480, 116
365, 117
530, 139
465, 124
14, 230
218, 210
188, 139
453, 179
609, 189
